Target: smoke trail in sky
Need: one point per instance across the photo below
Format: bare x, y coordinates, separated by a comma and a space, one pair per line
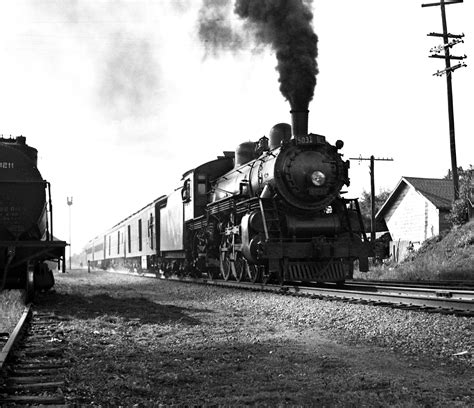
130, 77
123, 52
285, 25
215, 29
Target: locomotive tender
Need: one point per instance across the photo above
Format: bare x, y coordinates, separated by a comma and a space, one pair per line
273, 211
26, 221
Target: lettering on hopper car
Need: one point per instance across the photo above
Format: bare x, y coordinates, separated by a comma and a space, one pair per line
10, 210
7, 165
10, 215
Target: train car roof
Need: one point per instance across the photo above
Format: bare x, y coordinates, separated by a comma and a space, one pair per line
228, 157
158, 200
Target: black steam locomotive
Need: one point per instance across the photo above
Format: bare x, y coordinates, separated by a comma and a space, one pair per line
26, 224
272, 211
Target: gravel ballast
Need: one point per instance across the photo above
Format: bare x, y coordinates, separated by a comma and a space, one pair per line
12, 306
144, 342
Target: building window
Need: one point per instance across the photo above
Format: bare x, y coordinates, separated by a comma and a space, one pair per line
110, 244
201, 184
151, 229
118, 242
186, 191
139, 235
129, 239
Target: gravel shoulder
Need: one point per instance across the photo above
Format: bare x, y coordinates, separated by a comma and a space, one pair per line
11, 308
146, 342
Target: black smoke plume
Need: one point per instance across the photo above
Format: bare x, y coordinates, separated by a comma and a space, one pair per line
286, 26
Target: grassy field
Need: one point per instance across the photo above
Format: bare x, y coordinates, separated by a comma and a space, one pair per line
449, 256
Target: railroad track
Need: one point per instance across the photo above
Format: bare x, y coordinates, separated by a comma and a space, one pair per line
443, 284
32, 362
429, 299
457, 302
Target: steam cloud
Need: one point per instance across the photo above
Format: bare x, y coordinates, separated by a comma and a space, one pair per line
285, 25
129, 79
128, 69
215, 29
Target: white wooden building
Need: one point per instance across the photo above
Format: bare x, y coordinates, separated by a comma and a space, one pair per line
415, 211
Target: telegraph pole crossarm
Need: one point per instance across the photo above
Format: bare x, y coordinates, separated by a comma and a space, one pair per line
452, 57
450, 69
449, 35
442, 3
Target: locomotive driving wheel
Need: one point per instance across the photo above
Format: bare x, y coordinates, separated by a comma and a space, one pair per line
225, 264
238, 266
253, 271
227, 250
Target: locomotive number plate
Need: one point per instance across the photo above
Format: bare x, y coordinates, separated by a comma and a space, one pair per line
310, 139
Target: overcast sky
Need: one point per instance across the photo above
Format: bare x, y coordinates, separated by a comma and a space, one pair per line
121, 97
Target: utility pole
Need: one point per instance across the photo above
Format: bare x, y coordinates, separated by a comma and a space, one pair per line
69, 203
447, 44
372, 189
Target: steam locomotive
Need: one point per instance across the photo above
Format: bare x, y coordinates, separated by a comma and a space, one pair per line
271, 211
26, 221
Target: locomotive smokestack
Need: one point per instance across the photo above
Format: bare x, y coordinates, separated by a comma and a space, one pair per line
299, 121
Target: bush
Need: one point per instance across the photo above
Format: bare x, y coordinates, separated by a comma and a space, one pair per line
459, 213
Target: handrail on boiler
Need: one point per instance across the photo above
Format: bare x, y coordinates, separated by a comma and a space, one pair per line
265, 228
48, 185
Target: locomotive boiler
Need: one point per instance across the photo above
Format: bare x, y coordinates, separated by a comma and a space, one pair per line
280, 213
26, 225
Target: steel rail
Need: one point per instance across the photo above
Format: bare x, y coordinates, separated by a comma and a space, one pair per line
406, 297
464, 285
427, 292
14, 336
423, 300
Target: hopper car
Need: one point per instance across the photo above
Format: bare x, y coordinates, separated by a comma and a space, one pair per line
26, 221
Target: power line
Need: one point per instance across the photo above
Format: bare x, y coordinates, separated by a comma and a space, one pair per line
372, 189
449, 69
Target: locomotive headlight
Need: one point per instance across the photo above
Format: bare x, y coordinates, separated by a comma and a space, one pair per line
318, 178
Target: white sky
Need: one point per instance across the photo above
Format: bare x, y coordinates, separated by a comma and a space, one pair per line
119, 99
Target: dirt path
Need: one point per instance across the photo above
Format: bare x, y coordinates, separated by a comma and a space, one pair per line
146, 342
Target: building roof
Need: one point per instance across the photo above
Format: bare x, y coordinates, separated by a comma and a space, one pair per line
438, 191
